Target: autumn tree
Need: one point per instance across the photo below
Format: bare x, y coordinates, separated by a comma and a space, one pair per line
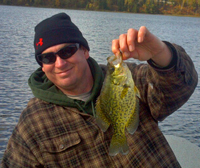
137, 6
57, 3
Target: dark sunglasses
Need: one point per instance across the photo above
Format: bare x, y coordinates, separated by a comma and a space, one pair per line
64, 53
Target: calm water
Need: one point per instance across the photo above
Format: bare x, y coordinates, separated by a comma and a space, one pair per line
99, 28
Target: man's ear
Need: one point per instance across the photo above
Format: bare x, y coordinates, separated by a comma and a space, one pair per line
86, 52
42, 68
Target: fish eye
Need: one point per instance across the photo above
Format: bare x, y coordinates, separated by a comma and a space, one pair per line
112, 69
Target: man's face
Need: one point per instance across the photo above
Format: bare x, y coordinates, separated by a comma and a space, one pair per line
67, 74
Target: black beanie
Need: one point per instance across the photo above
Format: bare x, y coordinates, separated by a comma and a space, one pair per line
55, 30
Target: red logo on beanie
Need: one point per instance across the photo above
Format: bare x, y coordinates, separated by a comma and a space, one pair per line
40, 42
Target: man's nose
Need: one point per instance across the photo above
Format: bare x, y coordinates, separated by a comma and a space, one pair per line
59, 61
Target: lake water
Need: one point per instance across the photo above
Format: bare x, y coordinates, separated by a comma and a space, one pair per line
17, 60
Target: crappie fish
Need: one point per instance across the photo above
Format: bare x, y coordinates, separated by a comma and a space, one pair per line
118, 104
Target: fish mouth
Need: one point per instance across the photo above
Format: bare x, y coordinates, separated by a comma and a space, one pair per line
115, 60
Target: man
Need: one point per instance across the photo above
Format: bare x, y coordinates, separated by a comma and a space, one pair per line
57, 128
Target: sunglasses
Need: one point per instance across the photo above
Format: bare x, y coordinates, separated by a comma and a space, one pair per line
64, 53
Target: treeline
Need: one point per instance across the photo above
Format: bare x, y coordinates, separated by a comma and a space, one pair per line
174, 7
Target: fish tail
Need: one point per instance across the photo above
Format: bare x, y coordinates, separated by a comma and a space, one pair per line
118, 144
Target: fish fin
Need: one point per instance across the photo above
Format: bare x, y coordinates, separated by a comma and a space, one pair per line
118, 145
101, 119
102, 124
137, 92
133, 122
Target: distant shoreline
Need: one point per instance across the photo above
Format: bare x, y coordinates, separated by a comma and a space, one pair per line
163, 14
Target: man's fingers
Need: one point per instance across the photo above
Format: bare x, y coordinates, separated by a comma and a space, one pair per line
127, 42
115, 46
142, 33
123, 43
131, 39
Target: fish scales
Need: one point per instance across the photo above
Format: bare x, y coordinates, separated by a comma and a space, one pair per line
117, 104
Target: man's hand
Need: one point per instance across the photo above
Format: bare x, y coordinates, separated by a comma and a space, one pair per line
142, 45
